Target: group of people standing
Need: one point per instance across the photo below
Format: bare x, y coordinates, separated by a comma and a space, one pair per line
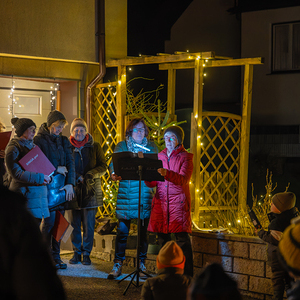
79, 164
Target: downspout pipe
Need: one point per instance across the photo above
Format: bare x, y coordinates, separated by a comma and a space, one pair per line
102, 67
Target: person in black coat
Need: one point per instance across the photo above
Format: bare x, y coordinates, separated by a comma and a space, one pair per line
58, 150
26, 267
282, 211
90, 165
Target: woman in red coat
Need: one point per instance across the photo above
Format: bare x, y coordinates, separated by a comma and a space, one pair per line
171, 205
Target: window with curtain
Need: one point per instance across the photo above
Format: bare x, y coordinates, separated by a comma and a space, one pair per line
286, 47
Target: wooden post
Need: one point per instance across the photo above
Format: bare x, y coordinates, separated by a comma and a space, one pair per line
195, 144
171, 91
245, 136
121, 103
58, 101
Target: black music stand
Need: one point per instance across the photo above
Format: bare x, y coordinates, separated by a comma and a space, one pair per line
137, 166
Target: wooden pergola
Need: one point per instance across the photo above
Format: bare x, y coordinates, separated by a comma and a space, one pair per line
197, 61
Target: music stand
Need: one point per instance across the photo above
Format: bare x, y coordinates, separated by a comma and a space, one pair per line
137, 166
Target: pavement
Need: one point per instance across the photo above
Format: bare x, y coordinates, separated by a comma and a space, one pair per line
90, 282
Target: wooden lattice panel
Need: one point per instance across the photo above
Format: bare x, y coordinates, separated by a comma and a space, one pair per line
219, 161
104, 120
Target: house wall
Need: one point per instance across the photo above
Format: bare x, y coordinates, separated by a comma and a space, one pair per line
207, 26
61, 29
275, 96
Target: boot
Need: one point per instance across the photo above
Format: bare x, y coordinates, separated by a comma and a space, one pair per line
75, 259
116, 270
142, 268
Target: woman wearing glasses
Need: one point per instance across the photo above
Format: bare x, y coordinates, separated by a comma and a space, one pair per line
136, 140
171, 205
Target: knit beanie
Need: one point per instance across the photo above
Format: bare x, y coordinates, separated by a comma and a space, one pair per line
21, 125
170, 255
178, 131
54, 116
213, 282
78, 122
284, 201
289, 247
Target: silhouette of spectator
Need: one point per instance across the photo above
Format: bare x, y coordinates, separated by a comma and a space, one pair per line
26, 268
289, 256
213, 284
170, 283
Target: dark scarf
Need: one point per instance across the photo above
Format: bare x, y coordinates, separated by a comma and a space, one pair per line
79, 144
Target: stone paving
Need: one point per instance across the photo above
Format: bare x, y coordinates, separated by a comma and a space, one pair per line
90, 282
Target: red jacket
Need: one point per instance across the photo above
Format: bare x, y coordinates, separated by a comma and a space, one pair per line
171, 205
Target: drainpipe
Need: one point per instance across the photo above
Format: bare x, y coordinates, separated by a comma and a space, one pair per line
102, 67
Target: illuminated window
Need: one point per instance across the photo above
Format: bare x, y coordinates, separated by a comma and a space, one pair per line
27, 105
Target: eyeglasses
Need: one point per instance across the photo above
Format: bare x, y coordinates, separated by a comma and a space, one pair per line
170, 138
138, 130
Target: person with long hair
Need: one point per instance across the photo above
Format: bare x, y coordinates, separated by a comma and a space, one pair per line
128, 197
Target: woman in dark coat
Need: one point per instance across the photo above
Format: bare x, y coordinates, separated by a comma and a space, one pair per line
58, 150
128, 196
90, 165
171, 205
30, 184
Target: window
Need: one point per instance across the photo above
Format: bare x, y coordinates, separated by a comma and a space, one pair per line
286, 47
27, 105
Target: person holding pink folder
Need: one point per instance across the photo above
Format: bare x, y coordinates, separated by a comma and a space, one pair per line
30, 184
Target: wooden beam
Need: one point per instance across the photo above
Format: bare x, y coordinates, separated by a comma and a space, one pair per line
214, 63
195, 143
245, 136
144, 60
171, 91
121, 102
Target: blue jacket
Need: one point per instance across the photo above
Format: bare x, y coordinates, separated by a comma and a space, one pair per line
128, 194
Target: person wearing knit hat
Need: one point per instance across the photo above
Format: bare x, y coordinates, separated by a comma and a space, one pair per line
171, 204
58, 150
78, 122
55, 116
21, 125
289, 255
170, 283
90, 166
282, 211
30, 184
213, 284
177, 131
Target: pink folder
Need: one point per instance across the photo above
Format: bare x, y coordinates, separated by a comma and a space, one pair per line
36, 161
4, 139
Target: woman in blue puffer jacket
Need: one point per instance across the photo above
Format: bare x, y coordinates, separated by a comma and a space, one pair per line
128, 196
